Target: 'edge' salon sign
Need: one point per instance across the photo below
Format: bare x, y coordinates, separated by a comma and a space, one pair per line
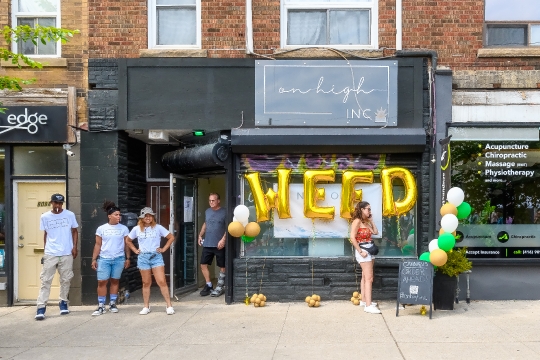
326, 93
34, 124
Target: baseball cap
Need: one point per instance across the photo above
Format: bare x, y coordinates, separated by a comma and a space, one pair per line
145, 211
57, 198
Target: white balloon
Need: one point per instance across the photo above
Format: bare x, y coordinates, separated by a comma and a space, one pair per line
449, 223
241, 212
433, 245
410, 240
455, 196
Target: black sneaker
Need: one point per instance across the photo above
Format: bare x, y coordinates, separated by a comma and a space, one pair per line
206, 290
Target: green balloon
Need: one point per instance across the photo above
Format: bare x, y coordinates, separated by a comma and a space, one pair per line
463, 210
411, 232
446, 241
247, 238
424, 256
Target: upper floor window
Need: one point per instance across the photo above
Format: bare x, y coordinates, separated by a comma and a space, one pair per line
174, 23
334, 23
32, 13
512, 23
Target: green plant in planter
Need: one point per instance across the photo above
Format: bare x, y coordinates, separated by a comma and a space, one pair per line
457, 263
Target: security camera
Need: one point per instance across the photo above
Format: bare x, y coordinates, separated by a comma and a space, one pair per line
67, 147
70, 153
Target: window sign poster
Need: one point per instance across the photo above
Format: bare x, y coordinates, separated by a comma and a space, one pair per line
500, 180
299, 226
188, 209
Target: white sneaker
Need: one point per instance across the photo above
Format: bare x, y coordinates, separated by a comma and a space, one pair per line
144, 311
169, 310
363, 303
372, 309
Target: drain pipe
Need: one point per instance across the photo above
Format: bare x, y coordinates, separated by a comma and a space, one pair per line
249, 27
432, 151
399, 24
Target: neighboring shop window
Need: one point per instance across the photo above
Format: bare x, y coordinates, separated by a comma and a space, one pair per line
351, 23
500, 180
39, 161
303, 236
2, 212
32, 13
174, 23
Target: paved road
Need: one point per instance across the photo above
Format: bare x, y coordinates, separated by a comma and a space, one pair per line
206, 328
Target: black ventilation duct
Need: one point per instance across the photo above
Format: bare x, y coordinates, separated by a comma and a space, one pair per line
198, 159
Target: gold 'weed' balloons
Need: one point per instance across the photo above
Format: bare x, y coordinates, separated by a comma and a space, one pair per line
348, 193
391, 208
312, 194
265, 202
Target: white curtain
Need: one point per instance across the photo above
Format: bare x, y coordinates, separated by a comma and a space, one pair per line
36, 6
349, 27
306, 28
176, 26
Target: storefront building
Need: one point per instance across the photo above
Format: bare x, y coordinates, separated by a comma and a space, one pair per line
34, 166
383, 121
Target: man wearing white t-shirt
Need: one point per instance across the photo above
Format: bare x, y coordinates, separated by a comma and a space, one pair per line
60, 240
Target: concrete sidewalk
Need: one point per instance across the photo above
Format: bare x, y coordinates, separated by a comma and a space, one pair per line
206, 328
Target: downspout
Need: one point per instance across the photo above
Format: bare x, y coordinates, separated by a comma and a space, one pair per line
399, 25
432, 151
249, 27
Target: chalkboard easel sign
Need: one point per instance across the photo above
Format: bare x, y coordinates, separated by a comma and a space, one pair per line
415, 284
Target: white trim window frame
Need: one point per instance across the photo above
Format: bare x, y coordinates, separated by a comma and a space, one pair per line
327, 11
30, 14
187, 38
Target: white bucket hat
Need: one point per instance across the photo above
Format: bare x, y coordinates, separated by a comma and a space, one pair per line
146, 210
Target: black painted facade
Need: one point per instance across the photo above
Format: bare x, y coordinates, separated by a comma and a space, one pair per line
284, 279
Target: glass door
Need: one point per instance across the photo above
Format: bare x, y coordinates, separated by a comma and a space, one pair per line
183, 226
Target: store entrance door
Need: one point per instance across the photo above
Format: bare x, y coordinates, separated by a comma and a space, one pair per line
183, 226
32, 200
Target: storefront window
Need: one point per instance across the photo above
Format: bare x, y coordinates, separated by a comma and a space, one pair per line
39, 160
500, 178
299, 235
2, 212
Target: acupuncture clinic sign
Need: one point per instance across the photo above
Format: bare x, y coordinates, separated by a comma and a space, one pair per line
34, 124
326, 93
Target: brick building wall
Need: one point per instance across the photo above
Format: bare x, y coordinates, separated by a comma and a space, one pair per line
58, 74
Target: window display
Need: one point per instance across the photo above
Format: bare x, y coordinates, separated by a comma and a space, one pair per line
303, 202
500, 179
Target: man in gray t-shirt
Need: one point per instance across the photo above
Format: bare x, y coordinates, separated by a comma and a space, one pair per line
215, 229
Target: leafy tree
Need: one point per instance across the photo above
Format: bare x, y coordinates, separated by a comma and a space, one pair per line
42, 34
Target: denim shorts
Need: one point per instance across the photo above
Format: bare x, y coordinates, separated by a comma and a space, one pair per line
150, 260
110, 268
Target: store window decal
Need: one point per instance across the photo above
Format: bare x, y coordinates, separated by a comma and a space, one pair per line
501, 180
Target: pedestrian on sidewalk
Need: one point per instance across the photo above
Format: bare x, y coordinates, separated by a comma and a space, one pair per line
150, 260
362, 228
110, 257
60, 242
214, 231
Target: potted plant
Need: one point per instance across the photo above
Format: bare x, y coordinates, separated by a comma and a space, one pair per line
445, 280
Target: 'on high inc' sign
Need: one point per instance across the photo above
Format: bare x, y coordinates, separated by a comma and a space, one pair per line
326, 93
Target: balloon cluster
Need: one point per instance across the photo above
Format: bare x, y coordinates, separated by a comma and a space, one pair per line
258, 300
241, 227
453, 211
356, 298
313, 300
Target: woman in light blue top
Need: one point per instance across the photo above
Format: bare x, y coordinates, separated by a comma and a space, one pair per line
113, 257
150, 260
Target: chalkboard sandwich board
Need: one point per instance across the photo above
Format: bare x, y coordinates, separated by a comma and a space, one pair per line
415, 284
